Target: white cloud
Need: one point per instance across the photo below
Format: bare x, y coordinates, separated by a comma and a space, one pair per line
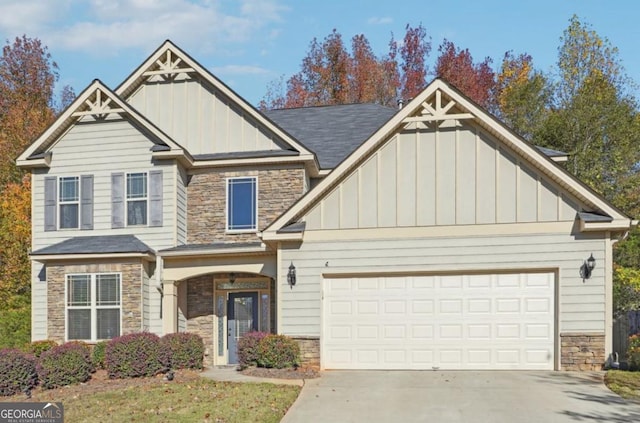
380, 20
110, 26
239, 70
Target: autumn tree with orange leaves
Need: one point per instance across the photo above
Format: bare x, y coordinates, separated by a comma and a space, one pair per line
27, 81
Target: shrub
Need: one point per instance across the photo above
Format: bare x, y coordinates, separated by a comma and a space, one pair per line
248, 348
278, 351
15, 330
98, 354
633, 352
17, 372
38, 347
64, 365
186, 350
135, 355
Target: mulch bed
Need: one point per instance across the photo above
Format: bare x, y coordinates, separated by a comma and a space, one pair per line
299, 373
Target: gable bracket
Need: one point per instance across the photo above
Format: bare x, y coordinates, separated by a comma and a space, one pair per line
98, 107
168, 67
437, 112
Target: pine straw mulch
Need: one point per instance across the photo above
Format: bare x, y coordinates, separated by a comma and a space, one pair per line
299, 373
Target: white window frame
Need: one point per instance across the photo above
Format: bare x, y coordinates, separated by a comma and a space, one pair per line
226, 206
93, 305
61, 203
127, 199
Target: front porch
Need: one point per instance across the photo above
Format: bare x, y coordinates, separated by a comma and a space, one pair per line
219, 294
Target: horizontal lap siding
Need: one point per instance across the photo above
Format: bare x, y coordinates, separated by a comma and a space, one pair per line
581, 303
99, 149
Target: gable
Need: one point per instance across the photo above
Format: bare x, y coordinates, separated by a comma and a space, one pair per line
198, 111
388, 173
93, 111
201, 118
443, 175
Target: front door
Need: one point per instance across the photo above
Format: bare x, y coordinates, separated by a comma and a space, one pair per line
242, 317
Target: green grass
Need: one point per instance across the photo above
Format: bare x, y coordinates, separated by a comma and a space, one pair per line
199, 400
625, 384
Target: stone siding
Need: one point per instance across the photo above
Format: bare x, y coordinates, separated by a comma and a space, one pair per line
309, 352
581, 351
200, 312
278, 189
131, 294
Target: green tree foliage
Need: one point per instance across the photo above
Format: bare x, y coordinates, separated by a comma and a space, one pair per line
522, 95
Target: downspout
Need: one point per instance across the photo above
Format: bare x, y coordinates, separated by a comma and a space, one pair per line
159, 287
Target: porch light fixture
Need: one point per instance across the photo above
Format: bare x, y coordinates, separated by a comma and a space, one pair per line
587, 267
291, 275
232, 277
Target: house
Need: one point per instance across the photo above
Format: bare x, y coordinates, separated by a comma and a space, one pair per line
426, 237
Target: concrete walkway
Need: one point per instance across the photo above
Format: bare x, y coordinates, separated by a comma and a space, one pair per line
230, 374
463, 396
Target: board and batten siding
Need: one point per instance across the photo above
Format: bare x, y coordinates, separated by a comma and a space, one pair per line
100, 149
450, 176
200, 118
581, 304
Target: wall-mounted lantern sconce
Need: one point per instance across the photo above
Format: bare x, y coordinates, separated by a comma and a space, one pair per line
587, 267
232, 277
291, 275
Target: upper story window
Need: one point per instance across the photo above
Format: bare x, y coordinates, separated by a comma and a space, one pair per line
242, 204
136, 199
69, 202
93, 306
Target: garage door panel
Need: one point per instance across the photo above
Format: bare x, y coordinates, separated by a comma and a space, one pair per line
424, 322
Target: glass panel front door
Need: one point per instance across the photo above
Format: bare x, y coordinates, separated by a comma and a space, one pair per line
242, 317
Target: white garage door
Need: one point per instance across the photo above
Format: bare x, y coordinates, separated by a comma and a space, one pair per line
501, 321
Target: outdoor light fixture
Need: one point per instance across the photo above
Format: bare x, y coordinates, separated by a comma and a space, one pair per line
232, 277
587, 267
291, 276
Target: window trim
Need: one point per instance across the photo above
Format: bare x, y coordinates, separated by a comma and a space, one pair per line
60, 203
93, 305
226, 206
127, 199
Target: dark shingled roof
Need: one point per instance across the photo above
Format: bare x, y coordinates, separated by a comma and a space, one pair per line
594, 217
245, 154
551, 153
332, 132
109, 244
213, 246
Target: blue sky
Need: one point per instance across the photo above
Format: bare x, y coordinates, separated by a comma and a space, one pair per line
248, 43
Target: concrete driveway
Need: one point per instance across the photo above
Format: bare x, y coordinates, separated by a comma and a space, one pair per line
462, 396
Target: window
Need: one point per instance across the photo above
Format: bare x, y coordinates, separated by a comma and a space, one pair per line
69, 201
93, 306
136, 199
242, 207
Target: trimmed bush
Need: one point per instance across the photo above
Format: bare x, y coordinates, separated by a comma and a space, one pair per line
65, 364
38, 347
186, 350
136, 355
98, 354
248, 348
17, 372
278, 351
633, 352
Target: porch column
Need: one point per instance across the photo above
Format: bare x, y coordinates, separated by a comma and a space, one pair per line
169, 307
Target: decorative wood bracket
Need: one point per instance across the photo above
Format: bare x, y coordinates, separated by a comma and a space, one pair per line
434, 111
168, 67
98, 106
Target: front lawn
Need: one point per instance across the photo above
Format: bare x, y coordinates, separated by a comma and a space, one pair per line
625, 384
186, 399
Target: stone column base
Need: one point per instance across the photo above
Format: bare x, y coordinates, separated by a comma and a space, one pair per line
581, 351
309, 351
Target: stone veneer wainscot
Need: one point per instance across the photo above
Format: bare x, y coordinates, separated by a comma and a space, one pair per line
582, 351
131, 293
